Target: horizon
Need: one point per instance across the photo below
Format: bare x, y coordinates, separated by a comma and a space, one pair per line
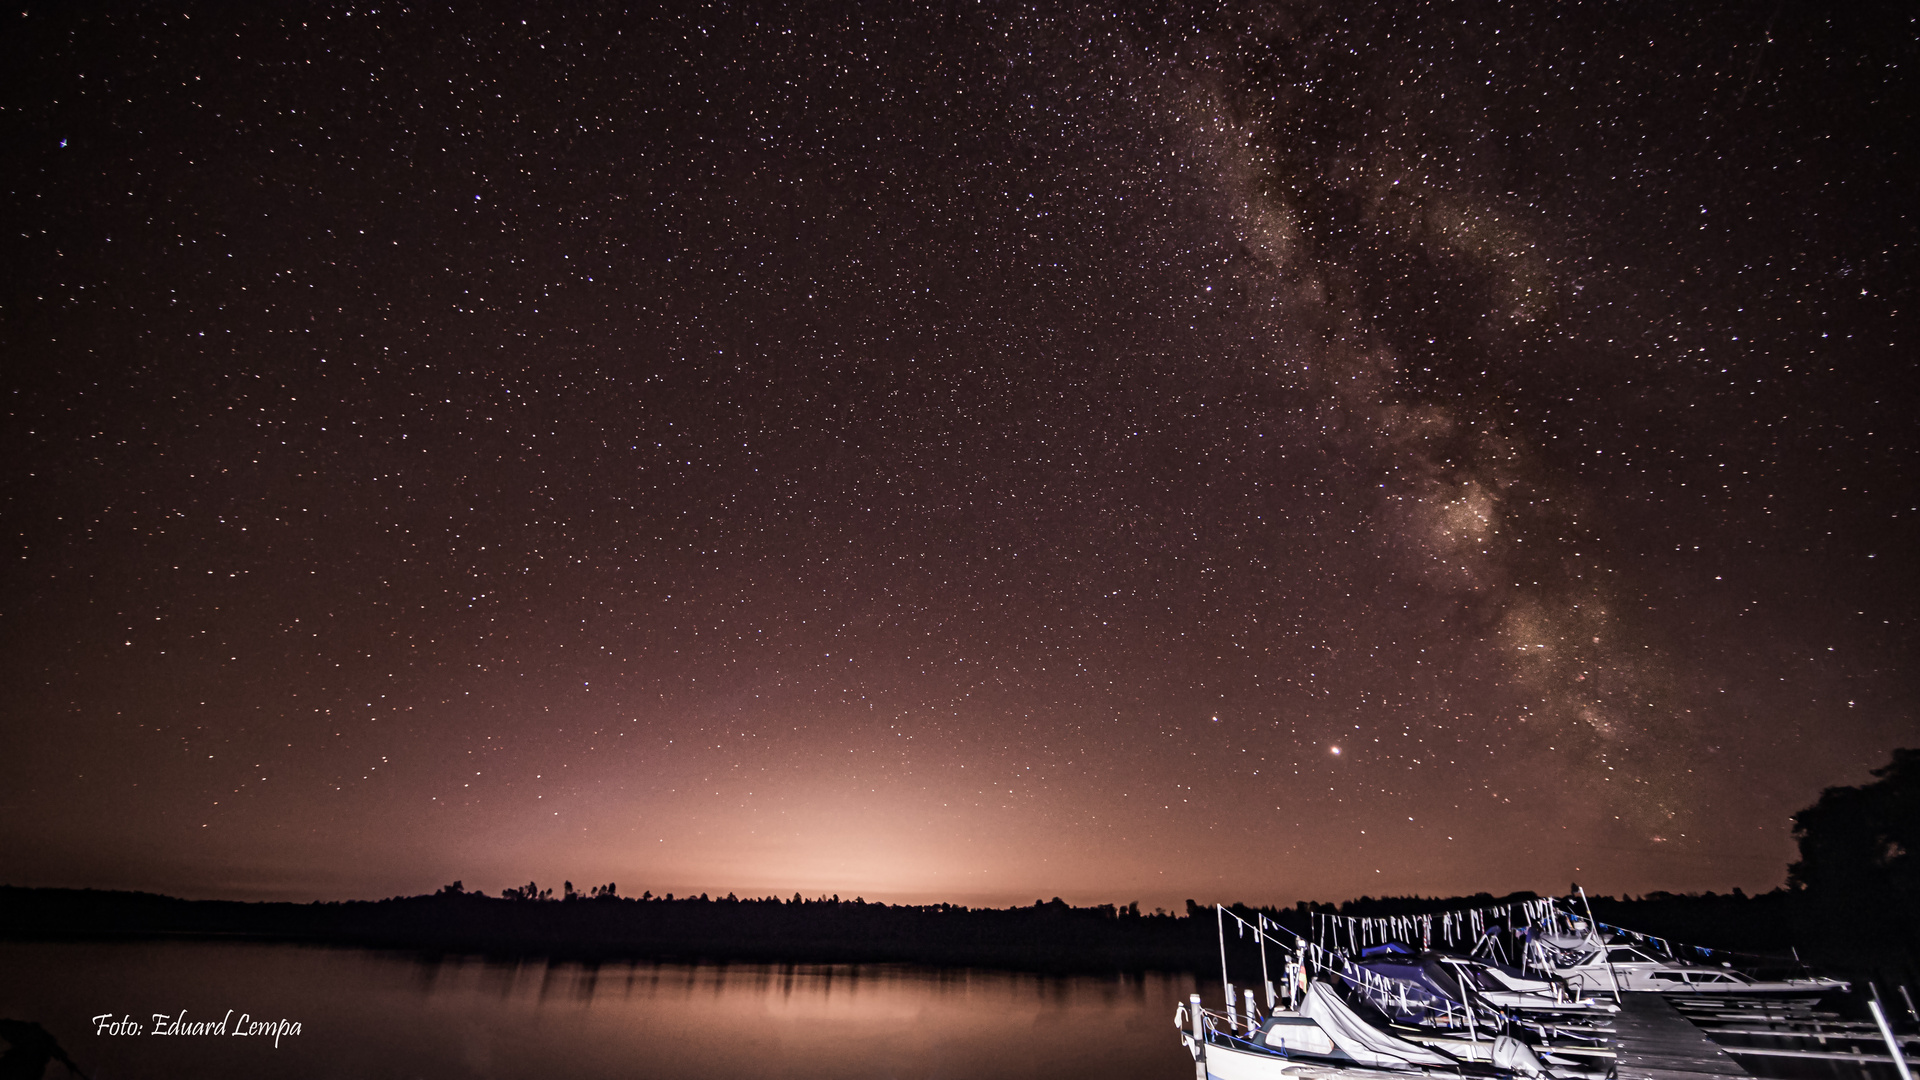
582, 892
585, 894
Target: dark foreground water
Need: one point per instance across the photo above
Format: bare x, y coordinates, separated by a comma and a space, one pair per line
367, 1014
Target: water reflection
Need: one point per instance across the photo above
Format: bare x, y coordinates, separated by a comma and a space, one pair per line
374, 1014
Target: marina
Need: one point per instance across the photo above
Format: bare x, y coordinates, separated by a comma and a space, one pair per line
1516, 993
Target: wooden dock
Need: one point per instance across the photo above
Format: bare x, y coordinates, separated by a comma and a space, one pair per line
1655, 1042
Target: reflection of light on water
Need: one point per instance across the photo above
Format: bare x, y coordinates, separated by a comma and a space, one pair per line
814, 996
878, 995
788, 993
393, 1014
833, 1017
369, 1013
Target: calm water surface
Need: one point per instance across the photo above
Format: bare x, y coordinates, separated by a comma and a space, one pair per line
377, 1014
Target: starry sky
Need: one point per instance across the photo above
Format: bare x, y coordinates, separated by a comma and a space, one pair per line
966, 451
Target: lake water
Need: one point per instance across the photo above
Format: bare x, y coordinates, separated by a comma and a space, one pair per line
369, 1014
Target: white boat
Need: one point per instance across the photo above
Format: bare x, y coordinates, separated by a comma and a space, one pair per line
1312, 1031
1422, 984
1598, 969
1324, 1036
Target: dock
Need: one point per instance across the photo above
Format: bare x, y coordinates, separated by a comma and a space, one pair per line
1655, 1042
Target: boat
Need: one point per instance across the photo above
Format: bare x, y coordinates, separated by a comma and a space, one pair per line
1596, 967
1325, 1018
1461, 1006
1422, 983
1325, 1036
1371, 1005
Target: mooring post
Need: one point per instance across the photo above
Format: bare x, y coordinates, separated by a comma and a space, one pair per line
1199, 1036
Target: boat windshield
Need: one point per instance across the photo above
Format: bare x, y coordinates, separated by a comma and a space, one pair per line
1719, 977
1484, 979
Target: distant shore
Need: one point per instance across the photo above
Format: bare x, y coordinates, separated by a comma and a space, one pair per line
1049, 937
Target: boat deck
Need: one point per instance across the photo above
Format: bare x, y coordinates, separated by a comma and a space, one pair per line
1655, 1042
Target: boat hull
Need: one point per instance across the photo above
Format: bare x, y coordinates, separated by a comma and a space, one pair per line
1687, 981
1229, 1063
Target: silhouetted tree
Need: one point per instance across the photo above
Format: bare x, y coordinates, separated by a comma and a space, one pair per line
1861, 841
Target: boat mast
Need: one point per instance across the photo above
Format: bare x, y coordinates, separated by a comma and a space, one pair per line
1220, 929
1260, 931
1593, 927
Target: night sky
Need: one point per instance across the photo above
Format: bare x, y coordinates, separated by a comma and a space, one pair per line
973, 453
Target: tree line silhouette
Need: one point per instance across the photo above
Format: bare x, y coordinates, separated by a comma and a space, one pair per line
1852, 903
599, 923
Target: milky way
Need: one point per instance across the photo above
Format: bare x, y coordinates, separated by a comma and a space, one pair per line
1263, 452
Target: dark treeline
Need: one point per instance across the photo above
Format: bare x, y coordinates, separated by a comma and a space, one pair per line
598, 924
1851, 906
1051, 936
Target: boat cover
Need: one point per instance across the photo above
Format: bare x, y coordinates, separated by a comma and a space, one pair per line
1424, 973
1515, 1056
1360, 1040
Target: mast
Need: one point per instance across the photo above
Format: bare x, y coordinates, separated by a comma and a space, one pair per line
1594, 929
1260, 931
1220, 929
